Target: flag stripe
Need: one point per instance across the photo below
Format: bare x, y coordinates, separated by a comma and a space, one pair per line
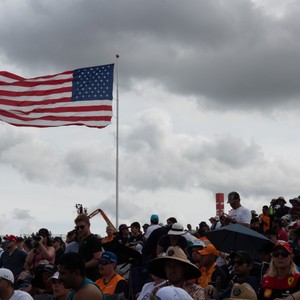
79, 97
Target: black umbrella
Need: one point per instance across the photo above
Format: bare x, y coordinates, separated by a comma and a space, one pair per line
235, 237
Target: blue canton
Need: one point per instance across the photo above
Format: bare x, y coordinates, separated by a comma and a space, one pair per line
95, 83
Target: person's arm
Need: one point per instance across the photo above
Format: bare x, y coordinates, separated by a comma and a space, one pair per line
122, 287
94, 261
48, 253
29, 259
293, 296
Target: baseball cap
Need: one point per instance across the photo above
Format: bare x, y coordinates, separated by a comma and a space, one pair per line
10, 238
7, 274
146, 225
243, 255
122, 227
283, 244
171, 292
109, 256
233, 196
154, 217
209, 249
54, 276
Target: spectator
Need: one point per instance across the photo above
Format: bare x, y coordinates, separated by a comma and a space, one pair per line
71, 236
20, 243
111, 282
13, 258
177, 269
211, 274
145, 227
295, 209
43, 250
123, 235
150, 245
282, 210
154, 220
255, 222
242, 262
6, 287
190, 229
59, 247
90, 247
280, 231
172, 238
272, 209
136, 240
215, 223
110, 234
264, 219
282, 279
71, 268
239, 214
59, 291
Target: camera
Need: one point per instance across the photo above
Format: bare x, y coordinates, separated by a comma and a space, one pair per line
36, 240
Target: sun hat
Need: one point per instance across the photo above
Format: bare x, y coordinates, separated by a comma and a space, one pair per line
171, 292
157, 266
176, 229
7, 274
243, 291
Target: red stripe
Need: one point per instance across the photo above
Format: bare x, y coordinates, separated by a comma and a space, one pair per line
36, 93
59, 118
28, 83
11, 75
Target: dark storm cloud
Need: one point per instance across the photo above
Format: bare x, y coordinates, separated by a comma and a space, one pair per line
228, 53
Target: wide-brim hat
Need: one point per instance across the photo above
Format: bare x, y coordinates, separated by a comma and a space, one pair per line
157, 266
176, 229
243, 291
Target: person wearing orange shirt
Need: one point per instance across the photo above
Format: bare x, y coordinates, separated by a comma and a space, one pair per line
111, 282
264, 219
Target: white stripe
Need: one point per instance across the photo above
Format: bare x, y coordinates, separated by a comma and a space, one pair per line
6, 79
38, 98
55, 123
14, 88
59, 104
53, 77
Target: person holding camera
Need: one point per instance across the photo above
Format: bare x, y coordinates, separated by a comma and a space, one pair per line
42, 250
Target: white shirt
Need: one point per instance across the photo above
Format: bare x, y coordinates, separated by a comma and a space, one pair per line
241, 215
20, 295
150, 229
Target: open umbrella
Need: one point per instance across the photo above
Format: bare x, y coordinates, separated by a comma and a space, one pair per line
235, 237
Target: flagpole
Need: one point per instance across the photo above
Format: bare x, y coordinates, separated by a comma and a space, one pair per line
117, 141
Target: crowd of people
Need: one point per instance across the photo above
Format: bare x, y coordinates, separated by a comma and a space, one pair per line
158, 261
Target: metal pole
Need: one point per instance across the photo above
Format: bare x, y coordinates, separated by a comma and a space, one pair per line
117, 141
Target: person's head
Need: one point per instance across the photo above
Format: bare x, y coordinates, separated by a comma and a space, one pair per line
174, 266
58, 242
82, 227
135, 228
45, 234
193, 249
71, 236
242, 262
145, 227
107, 263
281, 201
171, 221
154, 219
282, 258
71, 268
295, 202
59, 291
265, 209
234, 200
123, 229
11, 242
277, 223
110, 230
208, 255
6, 280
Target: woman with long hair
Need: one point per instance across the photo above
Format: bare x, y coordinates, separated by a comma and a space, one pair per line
282, 280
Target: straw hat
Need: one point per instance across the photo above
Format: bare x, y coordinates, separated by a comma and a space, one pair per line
243, 291
157, 266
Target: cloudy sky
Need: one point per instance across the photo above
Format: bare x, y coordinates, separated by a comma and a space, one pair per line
208, 102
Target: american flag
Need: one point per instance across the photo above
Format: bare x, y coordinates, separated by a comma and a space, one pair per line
78, 97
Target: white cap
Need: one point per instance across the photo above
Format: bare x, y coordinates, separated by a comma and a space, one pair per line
7, 274
171, 292
55, 276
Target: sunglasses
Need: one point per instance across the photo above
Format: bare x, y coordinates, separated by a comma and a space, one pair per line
104, 263
238, 262
80, 227
282, 254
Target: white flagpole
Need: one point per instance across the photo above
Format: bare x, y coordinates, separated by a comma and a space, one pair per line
117, 142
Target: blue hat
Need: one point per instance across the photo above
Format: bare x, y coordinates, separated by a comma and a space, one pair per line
109, 256
154, 217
